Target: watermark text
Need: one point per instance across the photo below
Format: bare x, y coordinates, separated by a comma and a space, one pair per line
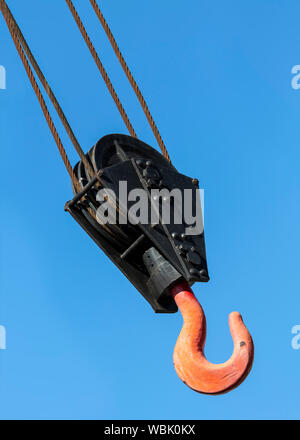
296, 339
138, 206
2, 78
2, 338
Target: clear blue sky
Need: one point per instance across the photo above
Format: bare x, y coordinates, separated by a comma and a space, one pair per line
81, 342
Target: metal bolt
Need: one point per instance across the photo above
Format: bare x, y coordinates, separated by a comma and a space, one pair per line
194, 272
151, 173
194, 258
203, 274
183, 248
140, 163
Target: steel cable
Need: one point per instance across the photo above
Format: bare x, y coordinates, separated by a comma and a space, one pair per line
130, 78
10, 24
101, 68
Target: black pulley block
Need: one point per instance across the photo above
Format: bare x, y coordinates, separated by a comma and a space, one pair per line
156, 248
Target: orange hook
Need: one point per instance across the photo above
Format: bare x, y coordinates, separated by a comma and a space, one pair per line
189, 360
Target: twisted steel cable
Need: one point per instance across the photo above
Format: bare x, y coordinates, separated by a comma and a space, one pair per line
48, 89
130, 78
101, 67
26, 56
10, 24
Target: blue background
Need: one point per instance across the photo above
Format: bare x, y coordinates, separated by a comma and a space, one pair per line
81, 342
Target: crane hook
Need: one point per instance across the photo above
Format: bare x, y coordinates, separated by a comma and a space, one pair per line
190, 362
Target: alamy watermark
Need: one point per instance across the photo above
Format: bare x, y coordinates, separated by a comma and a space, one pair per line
296, 338
2, 78
2, 328
2, 338
176, 206
296, 78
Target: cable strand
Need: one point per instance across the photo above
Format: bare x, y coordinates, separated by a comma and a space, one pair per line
130, 78
49, 91
10, 25
101, 68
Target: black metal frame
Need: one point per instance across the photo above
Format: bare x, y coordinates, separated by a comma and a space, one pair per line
181, 257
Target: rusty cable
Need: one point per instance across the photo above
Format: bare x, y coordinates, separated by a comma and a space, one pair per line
10, 24
48, 90
101, 68
130, 78
26, 54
